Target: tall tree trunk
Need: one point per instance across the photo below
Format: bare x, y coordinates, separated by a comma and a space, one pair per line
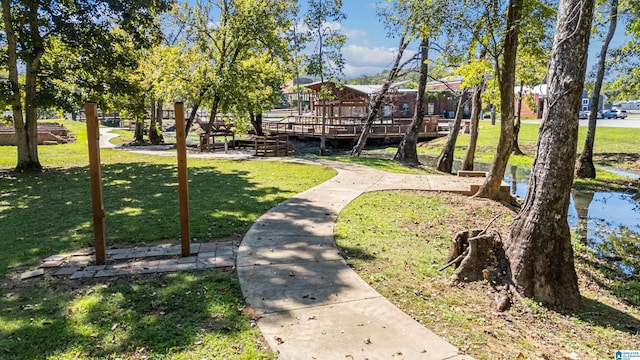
476, 109
159, 114
204, 141
493, 115
256, 121
516, 128
194, 109
379, 98
138, 134
444, 162
585, 168
407, 150
15, 95
491, 187
214, 114
28, 160
323, 134
25, 119
154, 137
539, 247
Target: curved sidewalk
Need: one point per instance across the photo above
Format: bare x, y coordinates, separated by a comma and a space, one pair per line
311, 304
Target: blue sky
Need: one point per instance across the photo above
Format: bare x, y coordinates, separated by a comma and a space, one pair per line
369, 51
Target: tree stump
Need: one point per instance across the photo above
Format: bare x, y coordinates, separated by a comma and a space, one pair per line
477, 255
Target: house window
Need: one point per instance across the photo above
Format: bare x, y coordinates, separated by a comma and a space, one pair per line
405, 109
585, 101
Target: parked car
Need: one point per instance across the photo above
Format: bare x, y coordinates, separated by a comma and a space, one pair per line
614, 114
585, 115
622, 114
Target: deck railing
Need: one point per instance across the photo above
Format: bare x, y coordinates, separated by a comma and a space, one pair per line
346, 127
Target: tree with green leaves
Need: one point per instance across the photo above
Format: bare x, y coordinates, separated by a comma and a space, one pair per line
585, 167
480, 71
534, 47
84, 27
326, 60
539, 247
503, 50
625, 60
392, 75
423, 21
262, 76
444, 161
222, 35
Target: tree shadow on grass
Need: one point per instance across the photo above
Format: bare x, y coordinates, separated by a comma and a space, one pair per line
352, 252
613, 159
51, 212
148, 315
610, 278
602, 315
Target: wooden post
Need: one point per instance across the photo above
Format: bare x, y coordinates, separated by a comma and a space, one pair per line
183, 181
93, 140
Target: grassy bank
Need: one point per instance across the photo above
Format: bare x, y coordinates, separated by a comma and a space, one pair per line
198, 314
397, 241
613, 147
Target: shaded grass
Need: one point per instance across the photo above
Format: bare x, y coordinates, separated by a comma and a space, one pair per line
175, 316
51, 212
178, 316
396, 241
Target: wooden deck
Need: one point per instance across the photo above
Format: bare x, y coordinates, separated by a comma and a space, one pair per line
49, 133
336, 128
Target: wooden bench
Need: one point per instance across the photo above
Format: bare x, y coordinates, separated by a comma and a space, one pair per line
277, 145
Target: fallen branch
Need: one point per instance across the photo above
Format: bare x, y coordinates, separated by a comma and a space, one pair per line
460, 257
489, 224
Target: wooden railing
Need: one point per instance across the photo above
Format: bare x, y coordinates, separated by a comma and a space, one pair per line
337, 127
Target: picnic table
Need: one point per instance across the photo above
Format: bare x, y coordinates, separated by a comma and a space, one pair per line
218, 130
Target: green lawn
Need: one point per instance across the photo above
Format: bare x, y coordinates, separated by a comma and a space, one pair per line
200, 314
189, 315
617, 147
614, 147
397, 241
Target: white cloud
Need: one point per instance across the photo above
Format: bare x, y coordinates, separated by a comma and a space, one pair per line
351, 34
369, 60
351, 71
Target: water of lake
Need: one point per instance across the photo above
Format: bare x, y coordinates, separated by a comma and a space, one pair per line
609, 222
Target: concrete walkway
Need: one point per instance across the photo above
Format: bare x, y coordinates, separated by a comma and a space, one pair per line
310, 303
